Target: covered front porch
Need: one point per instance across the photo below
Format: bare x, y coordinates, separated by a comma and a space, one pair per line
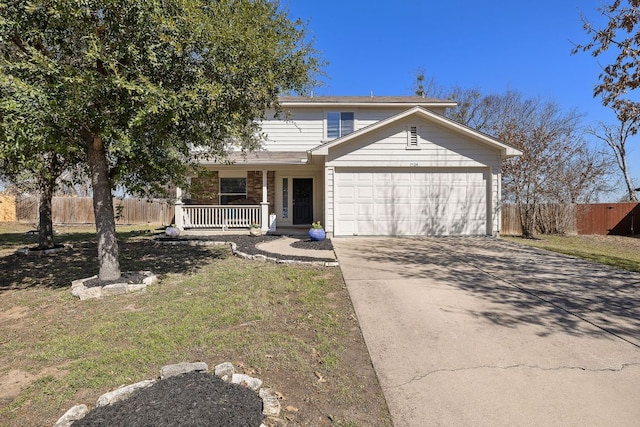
267, 190
223, 216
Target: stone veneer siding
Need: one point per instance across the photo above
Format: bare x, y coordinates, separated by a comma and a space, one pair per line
254, 188
204, 188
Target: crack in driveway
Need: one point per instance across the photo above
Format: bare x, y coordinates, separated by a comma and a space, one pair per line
518, 366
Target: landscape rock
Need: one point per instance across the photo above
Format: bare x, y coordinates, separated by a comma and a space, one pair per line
122, 393
151, 278
115, 289
247, 381
169, 371
270, 402
79, 290
80, 282
225, 371
135, 288
271, 406
74, 414
85, 293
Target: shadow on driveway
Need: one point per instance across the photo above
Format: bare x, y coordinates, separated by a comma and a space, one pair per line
521, 278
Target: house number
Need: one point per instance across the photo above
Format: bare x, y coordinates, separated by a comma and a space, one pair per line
414, 164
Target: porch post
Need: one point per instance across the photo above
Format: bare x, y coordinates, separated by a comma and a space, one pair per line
264, 205
179, 217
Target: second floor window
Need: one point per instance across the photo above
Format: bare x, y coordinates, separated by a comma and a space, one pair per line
339, 124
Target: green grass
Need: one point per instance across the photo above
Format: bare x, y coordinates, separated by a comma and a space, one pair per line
281, 323
617, 251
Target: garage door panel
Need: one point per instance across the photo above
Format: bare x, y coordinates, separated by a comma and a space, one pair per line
411, 203
365, 192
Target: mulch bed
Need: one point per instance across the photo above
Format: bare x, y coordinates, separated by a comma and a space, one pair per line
247, 244
193, 399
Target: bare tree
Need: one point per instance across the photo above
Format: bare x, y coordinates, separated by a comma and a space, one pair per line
557, 165
427, 86
550, 141
616, 136
618, 79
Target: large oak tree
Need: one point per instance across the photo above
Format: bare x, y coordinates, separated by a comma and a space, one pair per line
138, 84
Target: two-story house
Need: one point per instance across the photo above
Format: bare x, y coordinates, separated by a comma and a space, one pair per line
361, 166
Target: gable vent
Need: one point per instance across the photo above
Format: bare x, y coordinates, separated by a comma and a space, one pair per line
413, 136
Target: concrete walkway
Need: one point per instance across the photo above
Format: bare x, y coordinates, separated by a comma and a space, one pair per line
482, 332
283, 247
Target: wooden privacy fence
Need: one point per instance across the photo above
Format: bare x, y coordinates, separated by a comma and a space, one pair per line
622, 219
7, 208
594, 218
79, 210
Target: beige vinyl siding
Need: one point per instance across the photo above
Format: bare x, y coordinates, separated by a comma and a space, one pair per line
303, 131
306, 127
438, 147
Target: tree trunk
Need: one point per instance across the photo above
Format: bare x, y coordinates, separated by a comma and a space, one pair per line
625, 172
45, 216
103, 208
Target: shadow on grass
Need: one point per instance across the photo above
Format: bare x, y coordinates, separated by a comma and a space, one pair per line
59, 270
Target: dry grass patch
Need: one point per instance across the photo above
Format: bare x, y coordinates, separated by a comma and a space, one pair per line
293, 327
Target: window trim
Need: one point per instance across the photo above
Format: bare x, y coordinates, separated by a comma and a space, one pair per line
413, 137
341, 133
221, 194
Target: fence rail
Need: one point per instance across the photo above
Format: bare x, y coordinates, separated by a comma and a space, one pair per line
594, 218
79, 210
238, 216
597, 218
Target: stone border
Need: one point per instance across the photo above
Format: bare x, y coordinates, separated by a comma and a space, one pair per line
28, 251
78, 289
226, 371
236, 252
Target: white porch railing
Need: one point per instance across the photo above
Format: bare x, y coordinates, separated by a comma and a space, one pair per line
234, 216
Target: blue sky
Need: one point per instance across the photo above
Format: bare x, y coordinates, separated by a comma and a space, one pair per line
493, 45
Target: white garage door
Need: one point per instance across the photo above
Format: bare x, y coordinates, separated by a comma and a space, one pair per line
396, 202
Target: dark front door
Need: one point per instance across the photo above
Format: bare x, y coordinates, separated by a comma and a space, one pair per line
302, 200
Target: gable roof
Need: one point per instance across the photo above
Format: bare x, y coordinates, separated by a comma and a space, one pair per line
369, 101
506, 150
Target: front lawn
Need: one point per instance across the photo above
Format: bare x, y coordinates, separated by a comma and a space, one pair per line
617, 251
291, 326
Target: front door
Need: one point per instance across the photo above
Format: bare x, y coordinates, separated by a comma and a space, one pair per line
302, 201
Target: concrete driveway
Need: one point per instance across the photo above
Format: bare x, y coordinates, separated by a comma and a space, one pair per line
483, 332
